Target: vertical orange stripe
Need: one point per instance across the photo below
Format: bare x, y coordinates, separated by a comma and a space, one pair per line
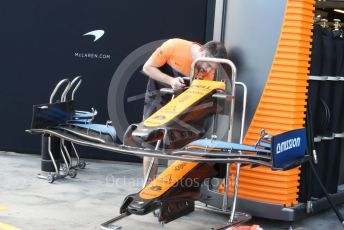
291, 61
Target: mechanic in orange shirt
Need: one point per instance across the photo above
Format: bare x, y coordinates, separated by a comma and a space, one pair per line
166, 68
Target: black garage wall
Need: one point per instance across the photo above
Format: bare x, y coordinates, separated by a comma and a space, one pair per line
42, 42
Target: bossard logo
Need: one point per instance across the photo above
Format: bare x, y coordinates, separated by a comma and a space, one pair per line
155, 188
97, 34
288, 144
159, 117
184, 98
205, 87
180, 166
166, 179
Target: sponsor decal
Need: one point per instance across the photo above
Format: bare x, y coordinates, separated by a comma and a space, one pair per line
156, 188
171, 109
145, 193
152, 122
92, 55
97, 34
196, 92
166, 179
180, 166
204, 87
184, 98
288, 144
287, 147
159, 117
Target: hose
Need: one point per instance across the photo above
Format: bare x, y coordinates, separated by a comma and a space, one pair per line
311, 147
335, 209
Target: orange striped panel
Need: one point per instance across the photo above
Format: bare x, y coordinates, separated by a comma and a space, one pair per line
264, 183
281, 178
269, 189
281, 107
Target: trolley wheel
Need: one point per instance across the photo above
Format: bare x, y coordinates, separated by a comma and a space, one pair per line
161, 224
156, 213
50, 179
65, 169
72, 173
82, 164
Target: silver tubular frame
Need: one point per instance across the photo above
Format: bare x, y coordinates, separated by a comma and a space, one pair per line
230, 131
77, 78
57, 174
65, 92
70, 86
231, 115
76, 88
79, 163
151, 163
234, 72
51, 100
75, 152
175, 155
52, 157
108, 225
63, 149
238, 165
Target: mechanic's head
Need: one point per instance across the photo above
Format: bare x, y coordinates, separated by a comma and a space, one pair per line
214, 49
211, 49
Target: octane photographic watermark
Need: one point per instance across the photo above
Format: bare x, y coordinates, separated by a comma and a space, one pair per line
123, 181
117, 181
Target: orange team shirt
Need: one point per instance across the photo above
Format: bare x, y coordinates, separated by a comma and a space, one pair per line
177, 54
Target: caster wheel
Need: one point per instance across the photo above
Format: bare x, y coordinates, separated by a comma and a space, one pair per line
65, 169
161, 224
82, 164
156, 213
50, 179
72, 173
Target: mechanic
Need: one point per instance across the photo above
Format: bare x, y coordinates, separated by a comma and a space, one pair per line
167, 67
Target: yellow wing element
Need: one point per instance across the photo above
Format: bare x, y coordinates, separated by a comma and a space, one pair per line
6, 226
167, 179
197, 90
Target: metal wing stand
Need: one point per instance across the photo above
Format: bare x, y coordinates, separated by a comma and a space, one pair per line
235, 217
229, 95
79, 117
65, 148
51, 177
149, 175
224, 157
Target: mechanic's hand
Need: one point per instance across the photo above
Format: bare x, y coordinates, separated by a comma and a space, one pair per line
177, 83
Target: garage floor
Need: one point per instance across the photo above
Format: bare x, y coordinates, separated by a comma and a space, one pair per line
95, 197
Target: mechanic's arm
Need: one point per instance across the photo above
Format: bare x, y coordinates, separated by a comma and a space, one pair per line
152, 70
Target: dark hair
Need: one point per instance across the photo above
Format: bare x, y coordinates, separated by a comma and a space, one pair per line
215, 49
